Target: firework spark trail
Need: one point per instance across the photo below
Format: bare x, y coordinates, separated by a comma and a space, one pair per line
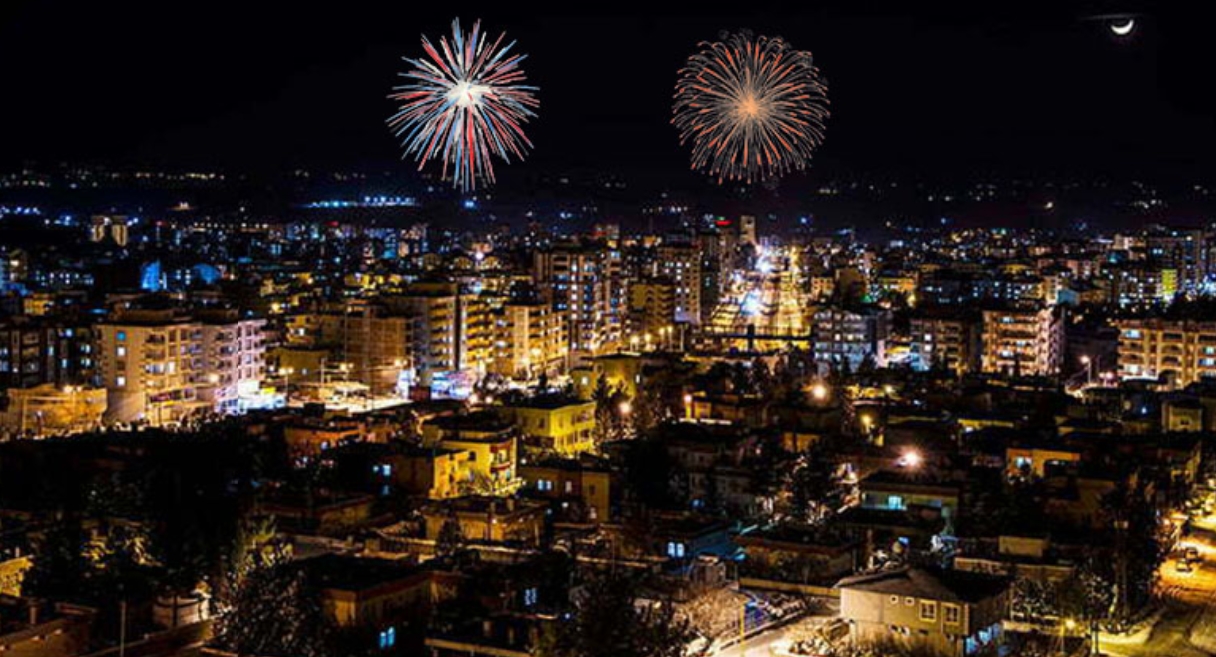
465, 103
752, 108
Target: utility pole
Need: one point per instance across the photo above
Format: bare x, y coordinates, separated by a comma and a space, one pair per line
122, 628
1121, 582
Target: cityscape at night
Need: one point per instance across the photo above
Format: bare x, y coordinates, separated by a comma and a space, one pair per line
491, 330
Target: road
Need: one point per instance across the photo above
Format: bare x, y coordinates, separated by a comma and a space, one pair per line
1188, 624
769, 298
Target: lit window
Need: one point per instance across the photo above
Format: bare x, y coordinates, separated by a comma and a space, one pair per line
121, 351
122, 336
530, 596
895, 502
675, 550
388, 638
121, 381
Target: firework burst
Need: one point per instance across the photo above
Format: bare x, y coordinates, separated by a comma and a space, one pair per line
752, 108
464, 103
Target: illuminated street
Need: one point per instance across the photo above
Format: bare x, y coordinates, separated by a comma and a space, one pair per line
768, 301
1187, 625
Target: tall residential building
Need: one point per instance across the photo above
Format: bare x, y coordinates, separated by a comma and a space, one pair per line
945, 338
844, 338
1023, 340
477, 325
234, 360
151, 365
376, 345
681, 264
652, 312
112, 226
161, 366
437, 346
453, 331
1141, 283
709, 245
1178, 351
584, 283
529, 339
1185, 250
45, 350
747, 230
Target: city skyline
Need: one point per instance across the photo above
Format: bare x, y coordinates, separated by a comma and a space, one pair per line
502, 331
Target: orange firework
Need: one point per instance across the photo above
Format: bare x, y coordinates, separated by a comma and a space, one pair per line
753, 108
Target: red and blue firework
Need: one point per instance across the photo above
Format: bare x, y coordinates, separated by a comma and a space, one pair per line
464, 102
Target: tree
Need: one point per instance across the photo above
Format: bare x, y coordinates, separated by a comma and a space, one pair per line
274, 613
451, 537
60, 569
812, 487
608, 621
1089, 594
608, 426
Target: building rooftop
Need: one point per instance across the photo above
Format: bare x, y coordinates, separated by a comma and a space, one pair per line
547, 402
339, 571
934, 584
477, 421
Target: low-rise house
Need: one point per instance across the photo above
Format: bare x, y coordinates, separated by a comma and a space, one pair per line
1182, 415
1020, 556
950, 612
487, 519
684, 537
29, 628
554, 423
489, 446
884, 532
1034, 458
309, 437
326, 513
502, 635
579, 489
898, 491
744, 410
380, 595
797, 555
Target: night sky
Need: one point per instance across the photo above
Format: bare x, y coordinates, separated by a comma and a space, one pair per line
238, 85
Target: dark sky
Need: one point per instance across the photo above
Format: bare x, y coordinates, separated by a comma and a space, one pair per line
245, 85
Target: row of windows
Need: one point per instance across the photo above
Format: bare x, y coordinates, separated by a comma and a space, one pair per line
951, 613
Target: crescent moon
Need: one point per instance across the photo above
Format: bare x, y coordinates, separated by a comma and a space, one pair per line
1124, 29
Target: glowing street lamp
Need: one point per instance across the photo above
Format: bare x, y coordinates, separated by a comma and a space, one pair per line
625, 408
687, 406
819, 392
911, 459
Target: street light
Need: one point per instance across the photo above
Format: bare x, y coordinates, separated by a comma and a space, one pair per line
625, 408
687, 406
819, 392
911, 459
